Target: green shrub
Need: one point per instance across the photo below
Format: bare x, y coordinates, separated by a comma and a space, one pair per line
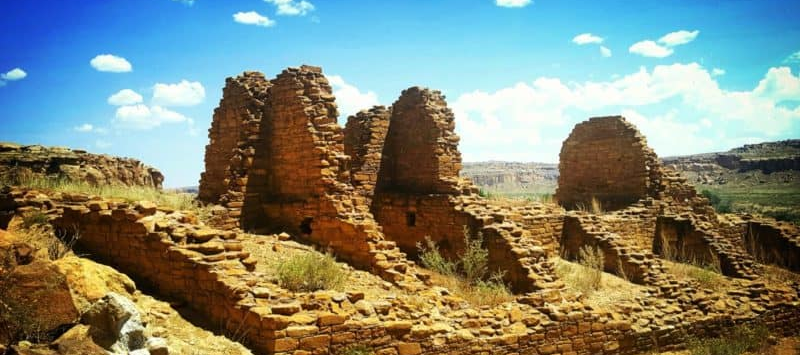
431, 258
33, 219
720, 205
310, 272
739, 340
468, 277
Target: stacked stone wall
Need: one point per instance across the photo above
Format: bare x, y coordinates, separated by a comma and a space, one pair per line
607, 159
420, 154
772, 242
364, 136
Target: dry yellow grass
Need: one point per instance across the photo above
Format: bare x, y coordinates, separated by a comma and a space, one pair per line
172, 200
611, 289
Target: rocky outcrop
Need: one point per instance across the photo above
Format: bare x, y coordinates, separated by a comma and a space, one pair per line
19, 162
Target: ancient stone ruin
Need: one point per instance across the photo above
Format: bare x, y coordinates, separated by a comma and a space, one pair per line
18, 162
289, 176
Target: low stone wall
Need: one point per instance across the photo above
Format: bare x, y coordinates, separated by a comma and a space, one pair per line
773, 242
696, 241
581, 230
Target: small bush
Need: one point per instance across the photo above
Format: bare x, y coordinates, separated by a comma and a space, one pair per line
310, 272
741, 339
720, 205
469, 276
431, 258
358, 349
34, 219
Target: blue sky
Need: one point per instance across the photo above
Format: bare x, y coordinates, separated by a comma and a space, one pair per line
141, 78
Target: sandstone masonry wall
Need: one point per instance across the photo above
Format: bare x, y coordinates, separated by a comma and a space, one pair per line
364, 136
420, 154
608, 159
288, 171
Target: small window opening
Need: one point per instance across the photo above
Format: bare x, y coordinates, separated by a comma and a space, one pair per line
411, 219
305, 226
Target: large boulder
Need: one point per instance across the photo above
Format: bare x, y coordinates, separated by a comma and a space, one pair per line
90, 281
77, 341
115, 324
35, 301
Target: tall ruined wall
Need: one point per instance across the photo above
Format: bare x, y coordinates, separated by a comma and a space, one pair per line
227, 156
276, 161
420, 154
364, 136
608, 159
18, 163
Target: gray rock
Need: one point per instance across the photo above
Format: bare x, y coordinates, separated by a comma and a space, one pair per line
157, 346
115, 324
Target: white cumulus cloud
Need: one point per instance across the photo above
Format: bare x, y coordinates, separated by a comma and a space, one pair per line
14, 74
529, 120
512, 3
587, 38
678, 38
84, 128
111, 63
349, 98
292, 7
779, 85
650, 49
253, 18
605, 52
125, 97
143, 117
185, 93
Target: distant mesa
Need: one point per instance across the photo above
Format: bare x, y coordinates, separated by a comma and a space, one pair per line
20, 162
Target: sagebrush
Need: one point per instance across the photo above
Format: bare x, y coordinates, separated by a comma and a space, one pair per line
310, 272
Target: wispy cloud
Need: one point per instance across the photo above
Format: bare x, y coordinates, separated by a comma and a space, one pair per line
186, 2
253, 18
292, 7
125, 97
717, 72
605, 52
142, 117
83, 128
184, 93
513, 3
793, 58
678, 38
664, 46
111, 63
650, 49
587, 38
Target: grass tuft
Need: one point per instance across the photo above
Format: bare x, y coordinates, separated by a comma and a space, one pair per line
587, 278
172, 200
308, 272
740, 340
